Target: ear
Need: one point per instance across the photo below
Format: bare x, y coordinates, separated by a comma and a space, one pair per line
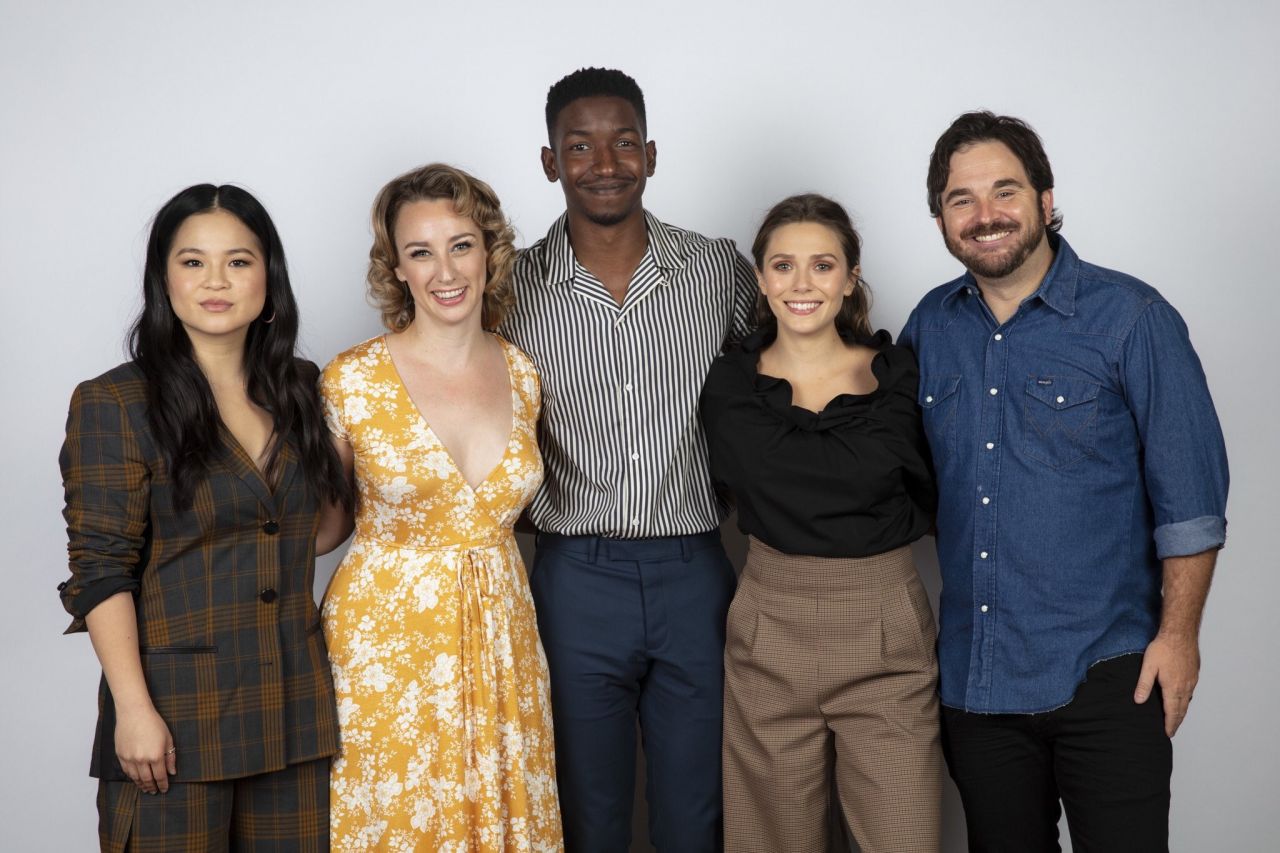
851, 285
549, 165
651, 155
760, 282
1046, 206
942, 229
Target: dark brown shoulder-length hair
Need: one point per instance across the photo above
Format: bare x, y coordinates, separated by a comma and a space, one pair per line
855, 311
471, 197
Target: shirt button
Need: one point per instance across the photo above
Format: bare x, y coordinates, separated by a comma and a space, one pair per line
991, 445
635, 456
999, 337
268, 595
1062, 399
983, 555
628, 387
984, 608
929, 399
993, 392
635, 522
986, 501
271, 528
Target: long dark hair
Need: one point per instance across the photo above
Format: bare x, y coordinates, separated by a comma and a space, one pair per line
855, 310
181, 410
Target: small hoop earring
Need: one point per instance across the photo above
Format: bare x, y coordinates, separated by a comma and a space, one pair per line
270, 320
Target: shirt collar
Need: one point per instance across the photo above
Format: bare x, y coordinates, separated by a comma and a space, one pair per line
1057, 290
668, 252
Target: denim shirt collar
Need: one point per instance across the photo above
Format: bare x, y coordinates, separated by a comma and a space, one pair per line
1057, 290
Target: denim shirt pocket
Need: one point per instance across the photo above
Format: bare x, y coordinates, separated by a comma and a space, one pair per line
1060, 417
938, 401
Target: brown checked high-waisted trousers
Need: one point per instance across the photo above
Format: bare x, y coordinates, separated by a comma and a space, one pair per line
830, 676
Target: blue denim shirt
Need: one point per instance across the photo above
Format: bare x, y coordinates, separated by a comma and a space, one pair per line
1075, 446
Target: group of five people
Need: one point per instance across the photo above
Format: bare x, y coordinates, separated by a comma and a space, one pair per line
622, 382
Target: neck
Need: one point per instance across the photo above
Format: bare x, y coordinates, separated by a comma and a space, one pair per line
817, 347
445, 346
1004, 295
221, 358
608, 248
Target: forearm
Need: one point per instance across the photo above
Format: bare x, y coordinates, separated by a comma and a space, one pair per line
1186, 586
336, 524
113, 629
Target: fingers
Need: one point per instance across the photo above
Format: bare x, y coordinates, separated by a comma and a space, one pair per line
1146, 680
160, 774
140, 773
1175, 710
171, 760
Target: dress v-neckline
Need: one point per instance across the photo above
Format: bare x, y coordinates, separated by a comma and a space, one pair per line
422, 418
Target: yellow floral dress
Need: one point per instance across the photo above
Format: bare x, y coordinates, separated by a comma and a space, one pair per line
441, 680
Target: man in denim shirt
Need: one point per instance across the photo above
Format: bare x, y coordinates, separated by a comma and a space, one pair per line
1083, 484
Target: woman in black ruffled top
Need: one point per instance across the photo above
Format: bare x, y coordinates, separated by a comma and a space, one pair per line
813, 429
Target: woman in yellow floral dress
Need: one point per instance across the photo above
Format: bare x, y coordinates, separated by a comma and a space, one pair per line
441, 680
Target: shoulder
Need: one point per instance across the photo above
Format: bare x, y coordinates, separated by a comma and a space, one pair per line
1119, 289
520, 361
692, 245
362, 354
124, 384
730, 374
931, 303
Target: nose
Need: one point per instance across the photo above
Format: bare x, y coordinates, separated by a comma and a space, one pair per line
448, 270
217, 279
606, 160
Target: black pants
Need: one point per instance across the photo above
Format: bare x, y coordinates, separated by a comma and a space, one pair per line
1106, 758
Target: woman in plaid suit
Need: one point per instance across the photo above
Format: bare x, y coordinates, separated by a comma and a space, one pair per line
194, 474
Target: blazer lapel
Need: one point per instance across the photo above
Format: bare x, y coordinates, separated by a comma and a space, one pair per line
238, 461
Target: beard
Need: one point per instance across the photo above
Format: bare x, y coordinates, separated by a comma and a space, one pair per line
606, 219
989, 265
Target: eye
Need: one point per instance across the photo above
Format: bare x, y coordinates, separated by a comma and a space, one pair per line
626, 143
782, 266
1005, 194
461, 246
241, 262
191, 262
960, 202
822, 266
419, 253
579, 146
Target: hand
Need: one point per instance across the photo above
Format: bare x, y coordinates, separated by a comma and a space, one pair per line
1174, 662
145, 749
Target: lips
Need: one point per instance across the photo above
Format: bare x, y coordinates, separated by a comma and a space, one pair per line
802, 308
608, 187
217, 306
449, 297
990, 233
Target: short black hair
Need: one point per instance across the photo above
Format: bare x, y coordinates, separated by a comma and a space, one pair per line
984, 126
591, 83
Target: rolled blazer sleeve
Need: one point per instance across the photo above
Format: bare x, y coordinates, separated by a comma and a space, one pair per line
107, 487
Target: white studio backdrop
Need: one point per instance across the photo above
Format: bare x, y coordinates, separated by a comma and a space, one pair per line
1160, 119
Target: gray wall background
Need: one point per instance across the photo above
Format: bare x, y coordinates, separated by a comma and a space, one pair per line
1160, 118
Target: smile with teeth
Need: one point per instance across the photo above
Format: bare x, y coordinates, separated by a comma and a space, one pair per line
803, 307
449, 297
991, 238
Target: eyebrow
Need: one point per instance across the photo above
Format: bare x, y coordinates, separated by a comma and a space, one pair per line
1003, 182
789, 255
616, 130
423, 243
193, 250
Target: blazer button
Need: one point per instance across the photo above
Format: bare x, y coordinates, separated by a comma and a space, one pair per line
268, 595
271, 528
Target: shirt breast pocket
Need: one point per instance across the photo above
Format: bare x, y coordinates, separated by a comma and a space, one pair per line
1060, 417
938, 402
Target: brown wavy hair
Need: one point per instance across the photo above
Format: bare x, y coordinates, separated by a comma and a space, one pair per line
472, 198
855, 310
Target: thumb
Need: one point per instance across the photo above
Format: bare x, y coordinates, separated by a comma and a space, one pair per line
1146, 681
170, 757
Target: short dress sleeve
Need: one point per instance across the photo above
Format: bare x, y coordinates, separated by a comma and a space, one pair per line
331, 393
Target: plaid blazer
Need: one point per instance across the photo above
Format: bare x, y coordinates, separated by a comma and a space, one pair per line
228, 629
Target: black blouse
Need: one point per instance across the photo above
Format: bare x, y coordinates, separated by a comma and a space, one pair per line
850, 481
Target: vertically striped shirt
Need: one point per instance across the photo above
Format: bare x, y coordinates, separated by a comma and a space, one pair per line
623, 447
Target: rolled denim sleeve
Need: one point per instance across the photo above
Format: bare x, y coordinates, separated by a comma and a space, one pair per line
107, 487
1184, 455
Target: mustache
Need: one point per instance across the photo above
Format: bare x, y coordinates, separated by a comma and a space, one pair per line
987, 228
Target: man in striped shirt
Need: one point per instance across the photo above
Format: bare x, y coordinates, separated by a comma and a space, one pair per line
622, 315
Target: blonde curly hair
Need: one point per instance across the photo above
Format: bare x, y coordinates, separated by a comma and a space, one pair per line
472, 198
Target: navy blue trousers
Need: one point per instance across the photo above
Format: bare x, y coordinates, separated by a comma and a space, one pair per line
635, 627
